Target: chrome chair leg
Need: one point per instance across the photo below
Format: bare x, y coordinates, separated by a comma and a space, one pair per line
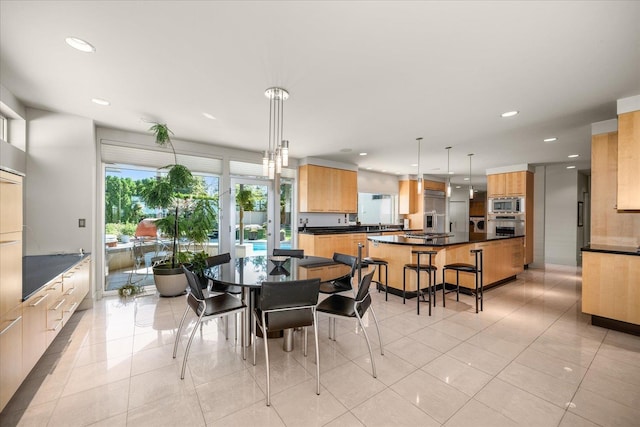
366, 336
266, 359
175, 344
305, 341
375, 318
315, 334
186, 353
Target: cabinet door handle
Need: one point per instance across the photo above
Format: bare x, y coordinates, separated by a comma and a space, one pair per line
9, 242
53, 286
57, 324
58, 305
70, 291
73, 306
42, 298
13, 322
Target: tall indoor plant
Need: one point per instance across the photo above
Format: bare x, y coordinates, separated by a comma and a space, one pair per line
190, 217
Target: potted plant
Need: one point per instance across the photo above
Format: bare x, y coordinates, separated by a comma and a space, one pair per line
190, 217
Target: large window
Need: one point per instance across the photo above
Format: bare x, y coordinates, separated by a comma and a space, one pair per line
374, 208
132, 237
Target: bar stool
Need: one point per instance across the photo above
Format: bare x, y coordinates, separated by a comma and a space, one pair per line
380, 263
417, 267
467, 268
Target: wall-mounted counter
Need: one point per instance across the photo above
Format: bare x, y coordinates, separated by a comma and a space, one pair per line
503, 256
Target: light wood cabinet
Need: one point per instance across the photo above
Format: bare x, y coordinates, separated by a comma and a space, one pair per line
407, 196
496, 185
507, 184
10, 202
608, 225
610, 286
628, 161
323, 189
325, 245
34, 329
10, 271
10, 354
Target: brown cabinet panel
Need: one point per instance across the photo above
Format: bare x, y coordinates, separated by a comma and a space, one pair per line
322, 189
10, 202
628, 161
10, 354
516, 183
496, 185
407, 196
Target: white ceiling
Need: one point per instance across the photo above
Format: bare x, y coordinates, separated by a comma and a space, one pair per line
363, 76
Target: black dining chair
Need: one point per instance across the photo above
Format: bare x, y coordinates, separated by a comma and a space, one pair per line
343, 306
215, 287
343, 283
286, 305
205, 308
295, 253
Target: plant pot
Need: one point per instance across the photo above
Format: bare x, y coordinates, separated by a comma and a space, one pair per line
170, 282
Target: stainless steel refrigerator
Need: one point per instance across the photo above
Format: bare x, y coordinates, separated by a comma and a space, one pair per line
434, 211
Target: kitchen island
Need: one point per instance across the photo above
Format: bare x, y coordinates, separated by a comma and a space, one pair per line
503, 256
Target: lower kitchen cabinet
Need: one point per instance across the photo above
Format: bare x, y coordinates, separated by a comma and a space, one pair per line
325, 245
10, 355
34, 329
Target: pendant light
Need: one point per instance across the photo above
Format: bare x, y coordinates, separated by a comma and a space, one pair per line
448, 173
419, 174
277, 153
470, 185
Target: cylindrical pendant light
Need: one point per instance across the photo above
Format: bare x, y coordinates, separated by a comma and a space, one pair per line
419, 174
448, 173
470, 185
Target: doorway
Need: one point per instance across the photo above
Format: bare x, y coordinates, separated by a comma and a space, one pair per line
458, 217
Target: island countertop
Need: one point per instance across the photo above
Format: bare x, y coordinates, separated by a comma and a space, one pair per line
449, 240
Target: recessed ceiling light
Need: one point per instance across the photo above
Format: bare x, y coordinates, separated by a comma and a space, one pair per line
209, 116
509, 113
363, 154
80, 44
466, 179
457, 186
552, 139
100, 101
573, 156
414, 165
571, 167
451, 172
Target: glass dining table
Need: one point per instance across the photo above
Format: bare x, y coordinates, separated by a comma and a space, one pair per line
248, 274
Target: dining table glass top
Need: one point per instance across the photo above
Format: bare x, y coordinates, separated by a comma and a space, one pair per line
252, 271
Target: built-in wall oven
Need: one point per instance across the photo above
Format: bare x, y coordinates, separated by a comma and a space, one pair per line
506, 225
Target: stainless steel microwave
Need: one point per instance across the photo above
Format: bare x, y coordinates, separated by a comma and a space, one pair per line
507, 205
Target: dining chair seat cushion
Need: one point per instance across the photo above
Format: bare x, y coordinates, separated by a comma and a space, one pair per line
374, 260
339, 305
230, 289
217, 304
461, 267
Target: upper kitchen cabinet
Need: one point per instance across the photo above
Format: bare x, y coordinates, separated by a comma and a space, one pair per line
10, 202
324, 189
507, 184
407, 197
628, 161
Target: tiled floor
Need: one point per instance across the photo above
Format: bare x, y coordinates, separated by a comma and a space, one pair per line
531, 358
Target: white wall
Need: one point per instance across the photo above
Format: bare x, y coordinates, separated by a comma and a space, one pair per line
539, 183
60, 183
561, 201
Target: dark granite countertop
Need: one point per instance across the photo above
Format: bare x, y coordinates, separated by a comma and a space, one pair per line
449, 240
351, 229
609, 249
38, 270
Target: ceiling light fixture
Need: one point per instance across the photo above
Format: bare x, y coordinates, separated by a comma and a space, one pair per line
80, 44
470, 185
277, 153
571, 167
209, 116
552, 139
363, 154
573, 156
509, 113
100, 101
448, 173
419, 176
